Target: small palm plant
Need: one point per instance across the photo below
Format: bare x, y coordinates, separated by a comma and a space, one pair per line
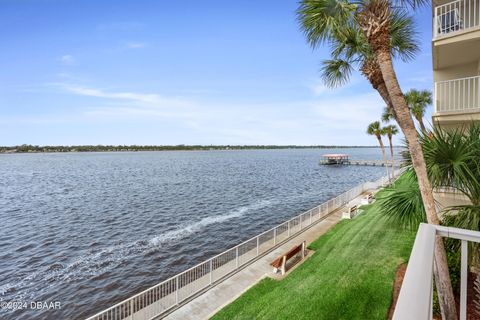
418, 101
453, 162
376, 130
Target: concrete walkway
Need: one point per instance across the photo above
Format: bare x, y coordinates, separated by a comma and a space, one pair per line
210, 302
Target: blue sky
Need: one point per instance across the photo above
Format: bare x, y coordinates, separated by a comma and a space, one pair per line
177, 72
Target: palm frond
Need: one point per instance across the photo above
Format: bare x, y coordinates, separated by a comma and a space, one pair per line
320, 19
387, 114
450, 157
336, 72
464, 217
402, 203
403, 36
374, 129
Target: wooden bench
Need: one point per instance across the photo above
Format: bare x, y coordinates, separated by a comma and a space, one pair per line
368, 199
281, 261
350, 212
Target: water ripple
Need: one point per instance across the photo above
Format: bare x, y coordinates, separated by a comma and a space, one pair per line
91, 229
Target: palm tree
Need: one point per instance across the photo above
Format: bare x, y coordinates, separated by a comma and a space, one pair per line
390, 131
453, 162
418, 102
387, 114
376, 130
350, 50
324, 21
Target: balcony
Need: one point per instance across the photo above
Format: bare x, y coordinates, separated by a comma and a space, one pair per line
454, 17
458, 98
415, 299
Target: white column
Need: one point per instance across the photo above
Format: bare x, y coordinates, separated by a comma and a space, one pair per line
463, 281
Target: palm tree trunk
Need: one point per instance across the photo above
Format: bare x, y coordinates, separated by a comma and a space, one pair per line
422, 125
444, 287
382, 90
371, 70
384, 156
392, 156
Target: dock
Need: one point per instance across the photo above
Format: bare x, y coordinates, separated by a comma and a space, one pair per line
344, 159
372, 163
334, 159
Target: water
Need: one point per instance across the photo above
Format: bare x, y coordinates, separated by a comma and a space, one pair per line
90, 229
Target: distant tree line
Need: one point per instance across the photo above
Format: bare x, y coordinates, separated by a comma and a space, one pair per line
25, 148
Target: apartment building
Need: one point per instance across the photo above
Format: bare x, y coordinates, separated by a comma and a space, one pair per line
456, 62
456, 71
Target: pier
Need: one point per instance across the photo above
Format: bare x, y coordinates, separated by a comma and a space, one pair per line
344, 159
334, 159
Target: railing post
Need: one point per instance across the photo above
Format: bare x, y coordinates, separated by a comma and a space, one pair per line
463, 280
310, 217
435, 90
176, 290
211, 272
236, 258
288, 233
131, 309
275, 236
258, 241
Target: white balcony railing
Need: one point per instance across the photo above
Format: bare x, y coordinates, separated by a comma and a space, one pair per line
458, 95
456, 16
416, 295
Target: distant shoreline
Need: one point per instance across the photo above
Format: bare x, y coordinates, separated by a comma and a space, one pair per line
133, 148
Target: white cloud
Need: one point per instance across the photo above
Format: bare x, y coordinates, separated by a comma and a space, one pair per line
145, 98
352, 112
327, 119
319, 88
421, 79
67, 59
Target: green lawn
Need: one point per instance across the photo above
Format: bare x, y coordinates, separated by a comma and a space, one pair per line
350, 276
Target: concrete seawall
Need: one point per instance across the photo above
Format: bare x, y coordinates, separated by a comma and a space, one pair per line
210, 302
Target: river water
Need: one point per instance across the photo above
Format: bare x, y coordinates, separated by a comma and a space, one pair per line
87, 230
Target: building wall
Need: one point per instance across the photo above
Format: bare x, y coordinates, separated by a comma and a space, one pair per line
460, 71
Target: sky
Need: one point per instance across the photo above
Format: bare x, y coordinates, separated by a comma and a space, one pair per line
178, 72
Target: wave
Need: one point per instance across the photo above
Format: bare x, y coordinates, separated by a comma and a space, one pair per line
96, 263
199, 225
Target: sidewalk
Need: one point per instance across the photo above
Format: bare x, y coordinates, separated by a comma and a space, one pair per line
211, 301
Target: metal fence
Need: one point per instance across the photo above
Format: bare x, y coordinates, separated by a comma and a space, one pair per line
458, 95
165, 296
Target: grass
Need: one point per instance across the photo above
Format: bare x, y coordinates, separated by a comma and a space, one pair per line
350, 276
